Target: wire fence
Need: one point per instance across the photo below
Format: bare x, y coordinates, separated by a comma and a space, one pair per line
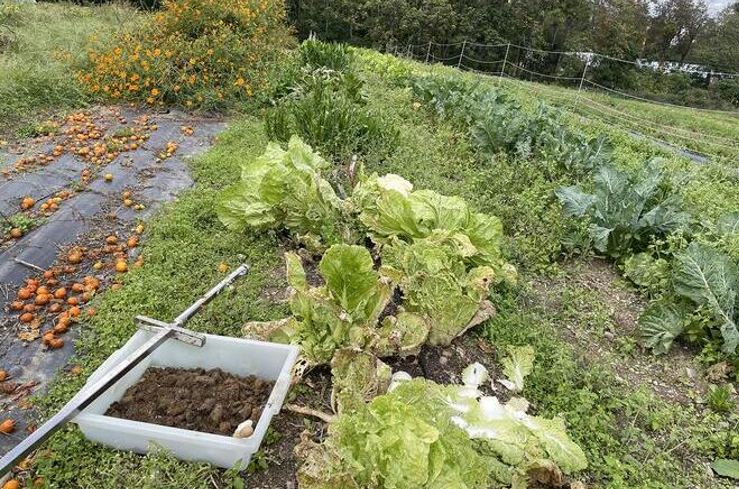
515, 64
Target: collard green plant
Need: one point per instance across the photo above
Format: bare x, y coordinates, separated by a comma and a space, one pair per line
626, 212
284, 189
499, 124
702, 277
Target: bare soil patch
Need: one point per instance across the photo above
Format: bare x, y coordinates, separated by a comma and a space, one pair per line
211, 401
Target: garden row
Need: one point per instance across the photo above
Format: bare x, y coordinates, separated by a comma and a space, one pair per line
686, 262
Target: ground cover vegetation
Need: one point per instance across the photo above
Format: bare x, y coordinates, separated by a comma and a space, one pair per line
430, 202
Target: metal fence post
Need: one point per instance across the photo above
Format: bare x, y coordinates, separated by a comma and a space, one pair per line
428, 52
582, 80
505, 59
461, 54
408, 51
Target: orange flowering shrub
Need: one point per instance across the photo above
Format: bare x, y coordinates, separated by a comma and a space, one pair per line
198, 54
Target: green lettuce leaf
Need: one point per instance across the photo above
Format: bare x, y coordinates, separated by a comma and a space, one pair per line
390, 208
432, 275
284, 189
517, 364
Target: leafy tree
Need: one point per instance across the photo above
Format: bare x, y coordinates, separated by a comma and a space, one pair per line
719, 47
675, 26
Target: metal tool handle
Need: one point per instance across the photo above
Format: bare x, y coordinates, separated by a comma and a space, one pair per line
88, 395
195, 307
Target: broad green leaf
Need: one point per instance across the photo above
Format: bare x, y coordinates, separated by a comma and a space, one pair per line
238, 207
349, 274
728, 224
574, 201
660, 324
600, 236
295, 272
726, 468
708, 277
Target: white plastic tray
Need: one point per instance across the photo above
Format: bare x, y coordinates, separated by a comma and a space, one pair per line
238, 356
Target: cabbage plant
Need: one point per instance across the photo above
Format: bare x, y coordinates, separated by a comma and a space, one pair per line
626, 212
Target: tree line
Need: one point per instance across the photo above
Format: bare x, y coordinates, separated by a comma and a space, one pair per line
665, 31
669, 30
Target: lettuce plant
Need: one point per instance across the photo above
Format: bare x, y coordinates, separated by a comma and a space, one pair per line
422, 435
390, 208
516, 365
626, 212
344, 312
285, 189
432, 275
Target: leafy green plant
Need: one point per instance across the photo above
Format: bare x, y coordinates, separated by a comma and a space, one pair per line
390, 208
425, 435
284, 189
516, 365
702, 278
316, 54
626, 212
436, 284
344, 312
719, 398
327, 110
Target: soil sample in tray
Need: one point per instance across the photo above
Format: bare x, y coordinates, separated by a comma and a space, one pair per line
211, 401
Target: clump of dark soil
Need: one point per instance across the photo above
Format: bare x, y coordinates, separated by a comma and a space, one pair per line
211, 401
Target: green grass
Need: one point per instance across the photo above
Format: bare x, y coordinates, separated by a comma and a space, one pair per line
41, 47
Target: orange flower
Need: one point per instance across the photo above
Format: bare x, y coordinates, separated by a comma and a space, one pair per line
155, 91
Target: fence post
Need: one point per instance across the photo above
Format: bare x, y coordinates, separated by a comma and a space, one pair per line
408, 51
395, 52
428, 52
582, 80
461, 54
505, 59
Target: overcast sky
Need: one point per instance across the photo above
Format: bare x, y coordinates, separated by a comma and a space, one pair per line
715, 6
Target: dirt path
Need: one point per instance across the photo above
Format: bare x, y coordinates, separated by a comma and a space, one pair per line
89, 209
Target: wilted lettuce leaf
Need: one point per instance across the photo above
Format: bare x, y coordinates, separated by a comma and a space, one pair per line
401, 335
708, 277
284, 189
357, 377
517, 364
432, 275
514, 436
